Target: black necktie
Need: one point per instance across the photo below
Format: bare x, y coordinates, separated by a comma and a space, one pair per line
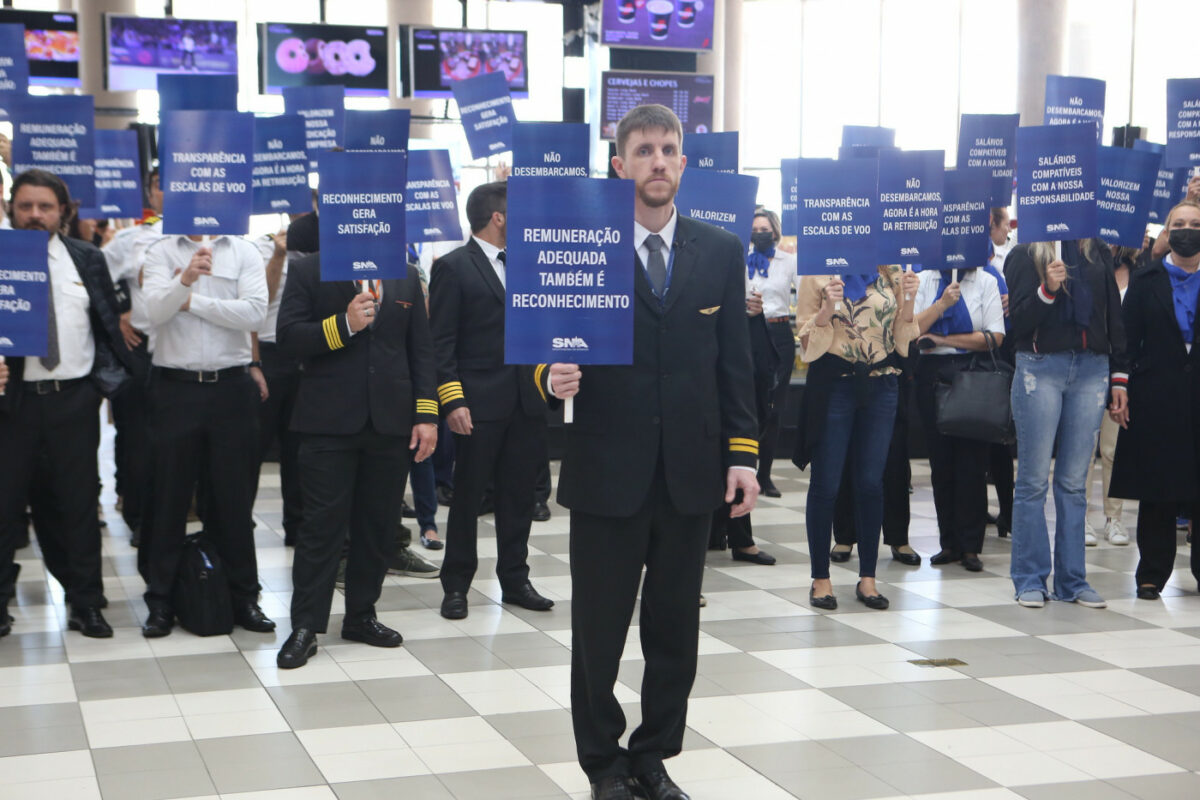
501, 257
656, 266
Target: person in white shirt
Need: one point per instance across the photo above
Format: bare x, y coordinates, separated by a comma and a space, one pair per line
204, 300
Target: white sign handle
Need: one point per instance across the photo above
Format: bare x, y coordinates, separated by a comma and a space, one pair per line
908, 268
1058, 251
954, 275
569, 410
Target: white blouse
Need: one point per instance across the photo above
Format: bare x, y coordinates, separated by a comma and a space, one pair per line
981, 293
776, 287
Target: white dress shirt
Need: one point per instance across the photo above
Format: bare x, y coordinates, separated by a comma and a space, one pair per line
265, 245
124, 256
214, 333
493, 256
640, 234
981, 293
76, 346
776, 287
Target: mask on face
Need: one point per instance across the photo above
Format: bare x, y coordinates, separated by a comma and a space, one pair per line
1184, 242
762, 240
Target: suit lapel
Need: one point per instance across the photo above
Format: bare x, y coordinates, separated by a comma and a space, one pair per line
486, 271
641, 286
1166, 299
687, 256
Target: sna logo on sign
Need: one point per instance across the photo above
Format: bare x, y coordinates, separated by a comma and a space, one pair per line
5, 341
358, 265
568, 343
205, 222
836, 262
909, 251
1058, 227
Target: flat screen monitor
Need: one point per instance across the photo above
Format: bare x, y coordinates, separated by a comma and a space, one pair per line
660, 24
354, 56
689, 96
139, 48
51, 43
437, 57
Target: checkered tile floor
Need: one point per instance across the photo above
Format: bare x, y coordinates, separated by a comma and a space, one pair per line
1062, 702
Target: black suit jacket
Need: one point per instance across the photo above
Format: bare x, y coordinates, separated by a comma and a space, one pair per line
688, 398
114, 364
466, 309
384, 373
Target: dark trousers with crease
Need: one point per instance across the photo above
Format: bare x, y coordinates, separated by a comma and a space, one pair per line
784, 341
504, 454
275, 416
607, 556
350, 483
1157, 542
131, 446
897, 475
1000, 469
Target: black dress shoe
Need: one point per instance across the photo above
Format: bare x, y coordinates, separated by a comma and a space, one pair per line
251, 617
445, 495
657, 785
1003, 527
487, 505
90, 622
875, 601
297, 650
541, 512
614, 787
945, 557
454, 605
1147, 593
6, 623
406, 510
908, 559
840, 556
971, 562
754, 558
767, 489
158, 623
527, 597
826, 603
373, 632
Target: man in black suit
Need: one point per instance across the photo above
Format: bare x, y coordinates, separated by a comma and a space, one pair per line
49, 416
496, 411
654, 449
366, 398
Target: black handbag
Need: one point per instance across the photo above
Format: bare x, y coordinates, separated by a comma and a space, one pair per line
200, 596
977, 402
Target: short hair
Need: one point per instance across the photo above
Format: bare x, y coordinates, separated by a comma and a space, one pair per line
651, 115
485, 200
40, 177
998, 213
772, 219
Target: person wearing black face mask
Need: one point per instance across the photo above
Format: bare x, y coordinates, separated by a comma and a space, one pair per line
1158, 449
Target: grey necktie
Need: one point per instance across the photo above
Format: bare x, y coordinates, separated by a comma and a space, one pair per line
656, 265
51, 359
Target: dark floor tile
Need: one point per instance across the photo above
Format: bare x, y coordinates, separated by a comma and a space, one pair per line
783, 757
44, 739
422, 787
1159, 735
1080, 790
516, 783
409, 699
156, 784
258, 763
533, 723
1158, 787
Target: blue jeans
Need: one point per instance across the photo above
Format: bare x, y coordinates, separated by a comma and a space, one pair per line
863, 434
424, 494
1063, 393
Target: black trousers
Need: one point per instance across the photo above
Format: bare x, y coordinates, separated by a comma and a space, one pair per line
541, 484
48, 461
351, 484
1000, 469
957, 466
443, 456
785, 345
1157, 542
214, 427
897, 476
506, 455
607, 556
274, 419
131, 445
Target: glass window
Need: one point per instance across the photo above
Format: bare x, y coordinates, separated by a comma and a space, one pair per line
919, 84
988, 46
1163, 47
840, 73
1098, 45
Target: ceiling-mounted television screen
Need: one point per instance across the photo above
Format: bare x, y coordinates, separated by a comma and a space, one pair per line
51, 44
437, 57
139, 48
663, 24
689, 96
354, 56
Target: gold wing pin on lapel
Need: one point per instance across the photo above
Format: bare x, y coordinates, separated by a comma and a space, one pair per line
710, 311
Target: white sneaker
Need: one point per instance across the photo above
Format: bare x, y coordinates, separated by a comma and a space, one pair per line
1089, 534
1114, 531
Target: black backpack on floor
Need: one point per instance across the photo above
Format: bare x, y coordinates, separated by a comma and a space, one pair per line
201, 593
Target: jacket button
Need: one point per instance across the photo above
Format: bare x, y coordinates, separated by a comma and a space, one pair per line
655, 420
371, 370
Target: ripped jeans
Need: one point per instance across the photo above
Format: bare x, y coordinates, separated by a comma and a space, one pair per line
1063, 394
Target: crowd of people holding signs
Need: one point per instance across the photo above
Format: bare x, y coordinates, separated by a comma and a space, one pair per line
672, 369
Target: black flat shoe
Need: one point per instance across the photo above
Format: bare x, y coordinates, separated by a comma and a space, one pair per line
840, 556
657, 785
297, 650
767, 489
614, 787
1147, 593
754, 558
1003, 527
454, 605
445, 495
875, 601
907, 559
971, 563
158, 624
541, 512
90, 622
431, 544
252, 618
406, 510
825, 603
6, 623
527, 597
373, 632
945, 557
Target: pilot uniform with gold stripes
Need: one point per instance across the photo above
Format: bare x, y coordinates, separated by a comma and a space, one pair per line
365, 398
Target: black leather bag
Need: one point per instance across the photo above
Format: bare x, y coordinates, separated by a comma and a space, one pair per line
977, 402
201, 592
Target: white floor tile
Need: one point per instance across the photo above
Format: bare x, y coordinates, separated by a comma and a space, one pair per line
470, 757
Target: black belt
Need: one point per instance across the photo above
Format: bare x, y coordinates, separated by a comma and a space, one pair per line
200, 375
51, 387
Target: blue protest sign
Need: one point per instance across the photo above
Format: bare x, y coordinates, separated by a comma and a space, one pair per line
1170, 185
1183, 123
570, 271
485, 105
280, 177
431, 205
1125, 195
24, 290
868, 136
183, 92
57, 133
838, 215
966, 217
323, 109
1073, 100
990, 140
717, 151
386, 129
361, 220
118, 176
720, 199
14, 67
910, 206
207, 162
551, 149
1056, 182
787, 212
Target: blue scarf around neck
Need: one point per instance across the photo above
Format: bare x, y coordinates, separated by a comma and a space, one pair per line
1185, 290
957, 318
759, 262
856, 286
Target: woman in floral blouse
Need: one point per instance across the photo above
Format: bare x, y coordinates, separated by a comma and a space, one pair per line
850, 329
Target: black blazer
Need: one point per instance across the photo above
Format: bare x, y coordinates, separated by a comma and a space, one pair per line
688, 398
466, 310
1158, 456
114, 364
384, 373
